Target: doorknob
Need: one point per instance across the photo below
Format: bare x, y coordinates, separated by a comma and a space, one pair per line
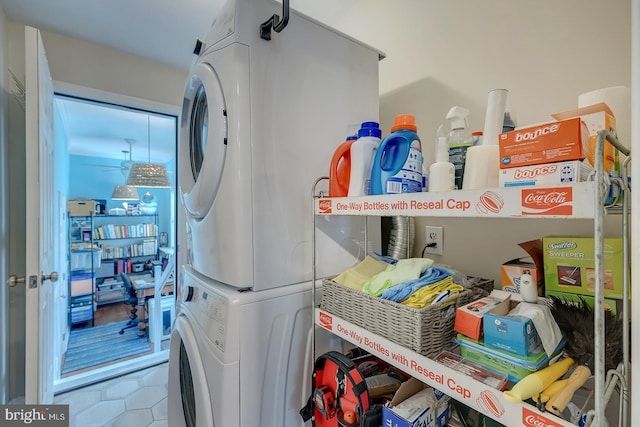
53, 277
14, 280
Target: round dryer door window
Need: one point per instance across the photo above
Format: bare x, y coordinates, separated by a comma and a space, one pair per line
203, 140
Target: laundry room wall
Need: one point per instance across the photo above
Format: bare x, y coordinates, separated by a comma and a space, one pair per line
441, 54
90, 65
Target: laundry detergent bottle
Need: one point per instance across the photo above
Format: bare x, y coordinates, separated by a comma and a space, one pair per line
397, 166
363, 151
340, 169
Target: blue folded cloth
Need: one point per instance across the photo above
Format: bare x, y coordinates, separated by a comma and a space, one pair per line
402, 291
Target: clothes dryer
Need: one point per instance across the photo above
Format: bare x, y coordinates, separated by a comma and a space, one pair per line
240, 359
259, 124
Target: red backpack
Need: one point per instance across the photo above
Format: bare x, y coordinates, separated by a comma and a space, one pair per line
339, 395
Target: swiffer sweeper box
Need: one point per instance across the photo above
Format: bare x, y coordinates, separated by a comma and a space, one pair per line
569, 266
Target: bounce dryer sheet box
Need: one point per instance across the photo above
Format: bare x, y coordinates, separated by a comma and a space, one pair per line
569, 265
415, 404
596, 117
469, 317
546, 175
546, 143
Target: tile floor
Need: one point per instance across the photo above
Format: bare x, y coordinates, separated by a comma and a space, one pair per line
137, 399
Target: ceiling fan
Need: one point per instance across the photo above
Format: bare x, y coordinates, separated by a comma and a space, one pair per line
125, 165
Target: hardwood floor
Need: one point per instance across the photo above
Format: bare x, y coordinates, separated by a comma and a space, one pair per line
109, 313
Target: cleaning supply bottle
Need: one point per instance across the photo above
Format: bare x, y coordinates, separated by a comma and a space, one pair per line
397, 166
340, 169
363, 151
459, 139
528, 288
441, 172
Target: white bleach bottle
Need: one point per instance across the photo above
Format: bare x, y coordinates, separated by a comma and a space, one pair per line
442, 173
363, 150
528, 288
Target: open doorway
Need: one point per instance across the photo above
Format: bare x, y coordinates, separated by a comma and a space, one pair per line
115, 314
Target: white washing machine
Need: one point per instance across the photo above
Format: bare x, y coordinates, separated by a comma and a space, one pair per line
240, 359
259, 124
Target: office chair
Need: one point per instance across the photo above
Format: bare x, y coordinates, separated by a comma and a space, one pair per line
133, 301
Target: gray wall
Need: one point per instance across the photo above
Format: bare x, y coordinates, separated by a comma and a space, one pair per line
441, 54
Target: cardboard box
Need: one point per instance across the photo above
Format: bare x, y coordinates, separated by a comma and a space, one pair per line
515, 334
569, 265
416, 405
469, 317
546, 143
596, 117
81, 207
513, 269
545, 175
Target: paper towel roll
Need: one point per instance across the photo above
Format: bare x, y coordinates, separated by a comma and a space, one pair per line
494, 117
618, 98
481, 168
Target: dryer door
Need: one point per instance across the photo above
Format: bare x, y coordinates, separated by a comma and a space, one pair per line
203, 140
188, 395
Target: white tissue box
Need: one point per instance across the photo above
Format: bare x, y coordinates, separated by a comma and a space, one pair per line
515, 334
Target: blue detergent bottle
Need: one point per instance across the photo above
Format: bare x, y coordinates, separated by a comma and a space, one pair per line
397, 166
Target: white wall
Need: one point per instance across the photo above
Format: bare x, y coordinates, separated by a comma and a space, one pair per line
85, 64
445, 53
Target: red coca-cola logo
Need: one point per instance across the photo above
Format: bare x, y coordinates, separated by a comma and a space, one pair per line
547, 201
532, 419
326, 321
324, 206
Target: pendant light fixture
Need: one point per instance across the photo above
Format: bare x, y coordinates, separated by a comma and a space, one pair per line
148, 174
125, 192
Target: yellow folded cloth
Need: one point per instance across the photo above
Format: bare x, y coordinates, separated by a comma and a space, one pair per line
356, 276
428, 294
402, 271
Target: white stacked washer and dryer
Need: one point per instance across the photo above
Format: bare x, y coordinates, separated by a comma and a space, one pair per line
259, 124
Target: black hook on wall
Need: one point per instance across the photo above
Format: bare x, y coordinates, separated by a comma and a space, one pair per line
275, 22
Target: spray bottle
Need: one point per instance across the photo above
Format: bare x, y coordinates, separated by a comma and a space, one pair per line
441, 172
459, 139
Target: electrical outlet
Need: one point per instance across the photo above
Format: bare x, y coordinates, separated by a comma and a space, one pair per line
434, 236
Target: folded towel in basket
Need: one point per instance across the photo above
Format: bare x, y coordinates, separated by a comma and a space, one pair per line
402, 271
354, 277
401, 291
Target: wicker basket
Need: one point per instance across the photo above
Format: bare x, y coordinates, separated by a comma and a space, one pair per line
427, 330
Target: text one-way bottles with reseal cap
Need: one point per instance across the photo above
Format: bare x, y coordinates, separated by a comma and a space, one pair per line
397, 166
363, 151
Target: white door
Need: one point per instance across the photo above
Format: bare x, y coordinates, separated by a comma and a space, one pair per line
39, 222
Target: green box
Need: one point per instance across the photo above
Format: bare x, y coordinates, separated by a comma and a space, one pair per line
569, 265
514, 366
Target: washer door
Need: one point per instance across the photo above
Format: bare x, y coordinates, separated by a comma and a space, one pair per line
188, 396
203, 140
